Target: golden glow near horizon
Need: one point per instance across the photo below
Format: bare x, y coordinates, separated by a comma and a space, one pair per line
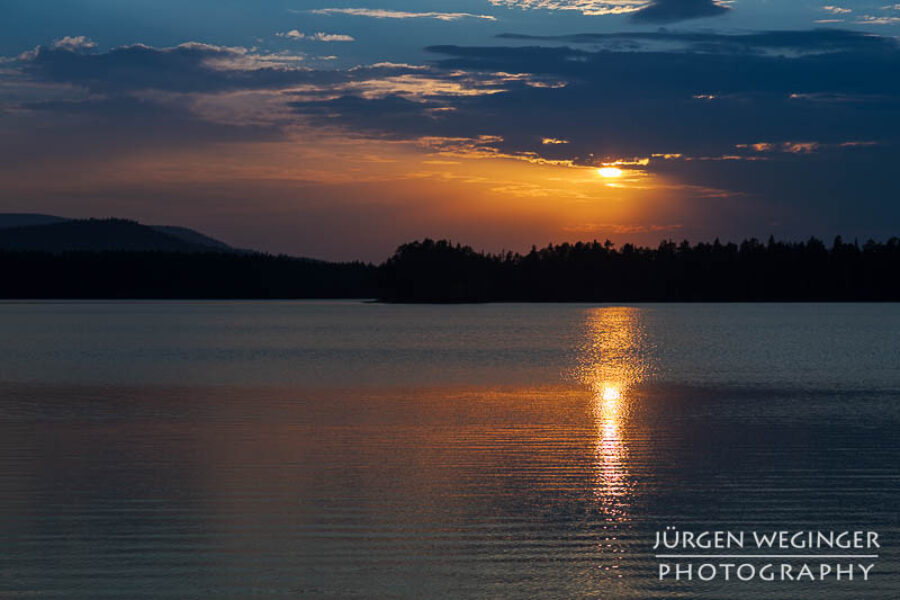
610, 172
466, 189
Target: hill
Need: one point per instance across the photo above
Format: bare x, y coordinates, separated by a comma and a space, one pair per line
43, 256
45, 234
8, 220
193, 237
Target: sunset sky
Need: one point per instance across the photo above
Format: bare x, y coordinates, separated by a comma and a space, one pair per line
340, 129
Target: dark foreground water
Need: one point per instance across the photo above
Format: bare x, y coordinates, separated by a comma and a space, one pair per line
349, 450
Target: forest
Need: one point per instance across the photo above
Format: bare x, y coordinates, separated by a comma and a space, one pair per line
438, 271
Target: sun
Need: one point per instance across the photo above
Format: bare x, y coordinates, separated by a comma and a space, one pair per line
609, 172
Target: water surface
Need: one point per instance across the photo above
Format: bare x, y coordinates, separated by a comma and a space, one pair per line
351, 450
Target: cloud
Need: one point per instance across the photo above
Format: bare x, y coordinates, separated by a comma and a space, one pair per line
316, 37
585, 7
837, 10
78, 42
186, 68
381, 13
642, 11
830, 86
776, 43
877, 20
813, 95
194, 93
671, 11
332, 37
187, 94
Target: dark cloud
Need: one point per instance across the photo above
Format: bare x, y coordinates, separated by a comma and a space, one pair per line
671, 11
663, 76
815, 41
186, 68
104, 101
390, 116
704, 95
842, 87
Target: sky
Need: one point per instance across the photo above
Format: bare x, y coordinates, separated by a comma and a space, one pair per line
340, 129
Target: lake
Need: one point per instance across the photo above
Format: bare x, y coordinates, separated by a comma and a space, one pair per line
344, 449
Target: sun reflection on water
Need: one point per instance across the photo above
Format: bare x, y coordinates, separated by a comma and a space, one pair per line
613, 361
612, 482
610, 393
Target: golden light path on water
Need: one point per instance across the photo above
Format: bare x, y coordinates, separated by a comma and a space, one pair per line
613, 361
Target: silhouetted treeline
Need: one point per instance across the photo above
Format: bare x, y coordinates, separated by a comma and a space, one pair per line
118, 274
438, 271
431, 271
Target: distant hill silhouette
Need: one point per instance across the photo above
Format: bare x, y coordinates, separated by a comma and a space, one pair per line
55, 235
42, 256
8, 220
192, 237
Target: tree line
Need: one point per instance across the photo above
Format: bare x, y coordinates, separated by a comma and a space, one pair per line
440, 271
